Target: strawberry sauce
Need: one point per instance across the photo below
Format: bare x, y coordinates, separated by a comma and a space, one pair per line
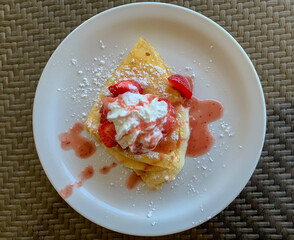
106, 169
73, 139
133, 180
201, 114
67, 191
87, 173
166, 146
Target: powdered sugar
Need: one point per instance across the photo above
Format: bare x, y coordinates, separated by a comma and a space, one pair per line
74, 61
153, 223
227, 128
159, 70
175, 136
153, 155
149, 214
89, 80
101, 44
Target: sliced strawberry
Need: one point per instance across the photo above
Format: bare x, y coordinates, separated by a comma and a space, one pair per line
169, 125
182, 84
107, 134
170, 121
103, 114
125, 86
103, 117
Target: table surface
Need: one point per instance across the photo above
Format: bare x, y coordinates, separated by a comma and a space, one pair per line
30, 208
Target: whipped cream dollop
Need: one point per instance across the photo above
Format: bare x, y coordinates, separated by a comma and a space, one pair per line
138, 120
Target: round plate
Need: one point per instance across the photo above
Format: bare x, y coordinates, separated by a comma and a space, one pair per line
193, 45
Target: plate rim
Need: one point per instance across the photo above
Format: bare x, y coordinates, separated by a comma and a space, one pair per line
180, 8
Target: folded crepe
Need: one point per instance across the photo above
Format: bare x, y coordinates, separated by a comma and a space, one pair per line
144, 65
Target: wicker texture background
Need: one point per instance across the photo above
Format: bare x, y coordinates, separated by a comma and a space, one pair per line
30, 208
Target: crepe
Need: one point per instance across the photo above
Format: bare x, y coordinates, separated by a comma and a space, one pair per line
144, 65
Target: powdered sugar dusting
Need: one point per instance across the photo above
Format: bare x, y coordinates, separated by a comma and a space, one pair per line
153, 155
175, 136
89, 80
74, 61
101, 44
227, 129
159, 70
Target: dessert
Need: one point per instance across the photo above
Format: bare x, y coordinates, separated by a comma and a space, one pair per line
140, 118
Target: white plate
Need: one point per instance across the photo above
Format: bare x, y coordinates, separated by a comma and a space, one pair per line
189, 42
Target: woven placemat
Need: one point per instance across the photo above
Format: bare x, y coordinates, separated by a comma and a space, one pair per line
30, 208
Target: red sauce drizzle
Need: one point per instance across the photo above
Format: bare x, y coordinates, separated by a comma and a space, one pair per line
73, 139
201, 114
133, 180
106, 169
87, 173
166, 146
67, 191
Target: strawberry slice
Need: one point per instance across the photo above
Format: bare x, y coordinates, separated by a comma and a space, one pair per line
103, 117
181, 84
170, 121
107, 134
104, 108
125, 86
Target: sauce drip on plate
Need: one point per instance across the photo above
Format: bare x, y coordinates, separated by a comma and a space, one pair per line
73, 139
87, 173
106, 169
133, 180
201, 114
67, 191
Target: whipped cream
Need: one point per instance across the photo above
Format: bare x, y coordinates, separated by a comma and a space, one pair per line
138, 120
